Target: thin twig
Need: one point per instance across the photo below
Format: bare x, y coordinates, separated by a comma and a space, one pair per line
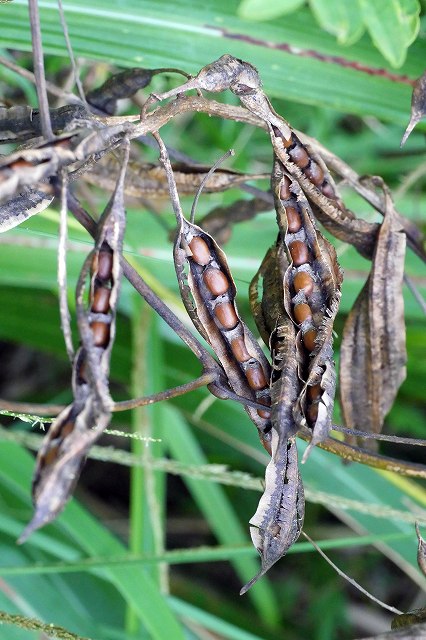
38, 62
416, 293
351, 581
71, 53
62, 268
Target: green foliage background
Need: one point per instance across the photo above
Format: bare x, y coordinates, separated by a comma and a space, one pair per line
331, 89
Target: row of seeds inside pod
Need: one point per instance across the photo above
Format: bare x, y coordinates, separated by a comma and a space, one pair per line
221, 307
312, 170
303, 284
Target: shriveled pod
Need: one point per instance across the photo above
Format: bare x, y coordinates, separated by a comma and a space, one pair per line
311, 298
74, 431
208, 292
278, 521
279, 332
209, 298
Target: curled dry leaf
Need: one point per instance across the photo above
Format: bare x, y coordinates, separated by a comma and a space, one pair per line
421, 551
373, 354
70, 437
21, 123
278, 521
418, 106
149, 180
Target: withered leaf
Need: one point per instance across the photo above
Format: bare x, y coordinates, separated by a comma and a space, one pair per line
278, 521
373, 354
150, 180
421, 551
418, 106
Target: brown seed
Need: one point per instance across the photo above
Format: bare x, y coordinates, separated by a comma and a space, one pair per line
239, 349
303, 280
287, 141
328, 190
299, 155
256, 377
309, 339
200, 250
299, 253
20, 164
225, 314
294, 220
302, 312
215, 281
264, 413
314, 393
50, 456
67, 428
312, 413
266, 444
285, 189
100, 332
101, 298
314, 173
104, 266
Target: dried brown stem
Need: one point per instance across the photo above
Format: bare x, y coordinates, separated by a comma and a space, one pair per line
38, 62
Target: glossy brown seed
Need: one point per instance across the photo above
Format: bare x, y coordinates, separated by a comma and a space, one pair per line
200, 250
21, 164
328, 190
225, 314
264, 413
239, 349
216, 281
101, 298
50, 456
100, 332
299, 253
104, 266
309, 339
303, 280
312, 413
256, 378
285, 189
315, 173
287, 141
314, 393
302, 312
266, 444
299, 155
294, 221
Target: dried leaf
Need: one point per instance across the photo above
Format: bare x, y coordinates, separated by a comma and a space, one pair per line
418, 106
421, 552
373, 355
150, 180
29, 202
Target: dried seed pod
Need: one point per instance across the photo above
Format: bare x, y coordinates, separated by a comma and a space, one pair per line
277, 330
278, 521
69, 439
209, 298
311, 294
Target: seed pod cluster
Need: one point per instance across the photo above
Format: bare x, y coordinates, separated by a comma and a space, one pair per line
215, 315
74, 431
311, 297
